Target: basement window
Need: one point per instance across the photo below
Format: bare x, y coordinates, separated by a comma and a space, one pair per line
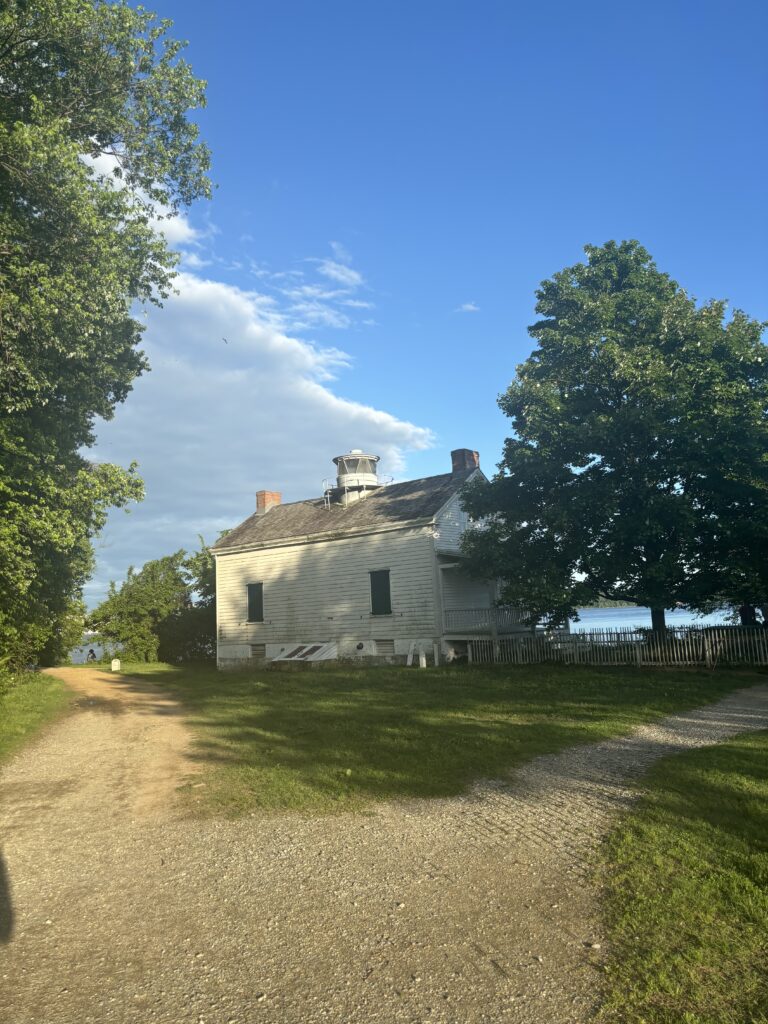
381, 598
255, 602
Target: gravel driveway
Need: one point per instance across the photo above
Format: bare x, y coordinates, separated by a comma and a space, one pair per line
474, 909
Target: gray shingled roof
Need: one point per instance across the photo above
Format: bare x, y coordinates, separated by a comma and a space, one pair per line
393, 505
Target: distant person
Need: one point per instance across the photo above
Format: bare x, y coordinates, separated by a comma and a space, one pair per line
91, 655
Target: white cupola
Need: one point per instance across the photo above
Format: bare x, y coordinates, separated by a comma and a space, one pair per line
356, 475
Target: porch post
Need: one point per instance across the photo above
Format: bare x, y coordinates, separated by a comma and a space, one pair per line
494, 624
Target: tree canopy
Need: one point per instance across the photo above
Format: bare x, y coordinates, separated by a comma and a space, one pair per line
95, 149
637, 469
165, 611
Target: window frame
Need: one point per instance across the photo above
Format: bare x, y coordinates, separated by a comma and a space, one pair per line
248, 586
378, 572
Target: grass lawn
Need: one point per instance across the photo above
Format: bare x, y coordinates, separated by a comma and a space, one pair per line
688, 892
28, 700
339, 738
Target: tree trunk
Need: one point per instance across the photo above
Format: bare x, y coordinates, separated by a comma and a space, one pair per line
747, 615
658, 620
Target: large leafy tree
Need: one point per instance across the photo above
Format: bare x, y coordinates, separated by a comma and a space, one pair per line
165, 611
189, 634
95, 146
637, 469
132, 614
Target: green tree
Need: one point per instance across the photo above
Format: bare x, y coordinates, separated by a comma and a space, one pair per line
638, 452
733, 559
131, 616
164, 612
189, 633
95, 145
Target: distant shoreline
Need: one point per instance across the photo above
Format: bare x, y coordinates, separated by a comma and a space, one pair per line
636, 617
612, 604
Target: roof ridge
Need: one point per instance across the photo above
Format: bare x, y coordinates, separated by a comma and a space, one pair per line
379, 489
407, 501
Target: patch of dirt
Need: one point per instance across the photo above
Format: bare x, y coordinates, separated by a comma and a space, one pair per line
473, 909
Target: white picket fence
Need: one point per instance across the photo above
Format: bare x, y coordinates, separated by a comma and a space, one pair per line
709, 646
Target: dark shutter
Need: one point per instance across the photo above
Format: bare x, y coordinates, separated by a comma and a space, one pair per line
255, 602
381, 601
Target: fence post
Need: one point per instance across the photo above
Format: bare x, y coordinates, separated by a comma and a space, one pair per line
495, 637
707, 651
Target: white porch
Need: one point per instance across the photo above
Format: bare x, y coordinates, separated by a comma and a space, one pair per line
489, 621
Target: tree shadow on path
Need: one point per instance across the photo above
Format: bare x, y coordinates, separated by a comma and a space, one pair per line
6, 907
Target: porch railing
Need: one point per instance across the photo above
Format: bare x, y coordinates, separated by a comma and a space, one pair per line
505, 619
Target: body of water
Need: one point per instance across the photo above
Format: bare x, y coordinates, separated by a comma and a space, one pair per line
79, 655
627, 618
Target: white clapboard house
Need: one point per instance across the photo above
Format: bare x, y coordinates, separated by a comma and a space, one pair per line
367, 570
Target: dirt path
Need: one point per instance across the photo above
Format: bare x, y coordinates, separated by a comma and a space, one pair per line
474, 909
126, 752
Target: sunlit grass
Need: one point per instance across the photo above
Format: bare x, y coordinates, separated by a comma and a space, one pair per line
688, 892
341, 738
28, 700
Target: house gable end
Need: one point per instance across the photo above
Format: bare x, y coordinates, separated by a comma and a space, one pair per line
450, 521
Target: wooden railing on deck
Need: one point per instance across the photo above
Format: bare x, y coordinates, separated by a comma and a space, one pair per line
505, 619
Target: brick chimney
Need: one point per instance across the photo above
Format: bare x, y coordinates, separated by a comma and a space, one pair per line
464, 458
265, 500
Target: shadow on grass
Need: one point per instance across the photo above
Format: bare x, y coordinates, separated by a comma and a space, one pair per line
338, 738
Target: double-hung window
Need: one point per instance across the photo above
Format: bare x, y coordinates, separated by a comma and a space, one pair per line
381, 597
255, 602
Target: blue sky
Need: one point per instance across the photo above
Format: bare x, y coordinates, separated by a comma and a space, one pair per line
393, 182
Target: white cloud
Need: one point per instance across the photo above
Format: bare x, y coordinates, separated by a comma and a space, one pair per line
340, 272
341, 252
316, 314
302, 303
190, 260
103, 166
232, 404
176, 227
467, 307
312, 291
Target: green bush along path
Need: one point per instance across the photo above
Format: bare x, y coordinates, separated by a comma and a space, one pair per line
28, 700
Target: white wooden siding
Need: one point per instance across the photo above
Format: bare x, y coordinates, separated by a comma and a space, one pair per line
321, 591
450, 525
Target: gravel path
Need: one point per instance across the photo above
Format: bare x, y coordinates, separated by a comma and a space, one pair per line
470, 909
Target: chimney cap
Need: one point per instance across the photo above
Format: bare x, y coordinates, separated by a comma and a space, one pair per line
463, 459
265, 500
